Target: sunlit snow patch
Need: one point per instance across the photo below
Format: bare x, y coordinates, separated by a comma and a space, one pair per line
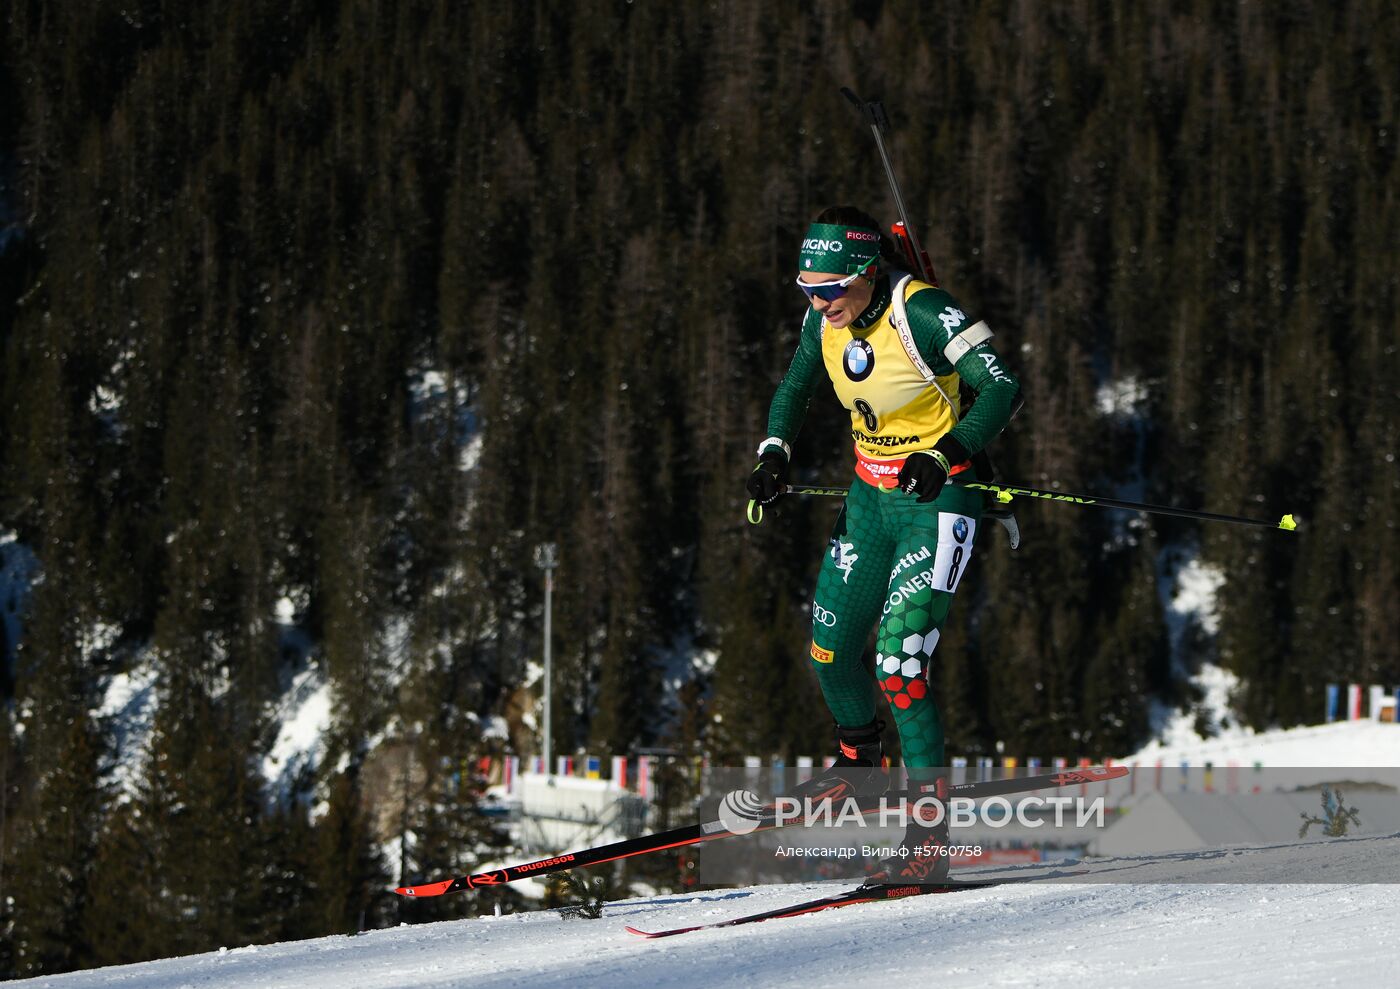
1197, 587
305, 714
1121, 398
1190, 600
129, 706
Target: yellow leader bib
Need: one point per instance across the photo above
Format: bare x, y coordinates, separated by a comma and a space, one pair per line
896, 408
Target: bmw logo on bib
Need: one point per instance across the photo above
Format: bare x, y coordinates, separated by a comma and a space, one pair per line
960, 529
859, 360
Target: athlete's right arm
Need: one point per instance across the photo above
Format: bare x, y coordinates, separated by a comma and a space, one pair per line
794, 394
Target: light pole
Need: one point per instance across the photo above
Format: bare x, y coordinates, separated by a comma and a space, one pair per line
547, 558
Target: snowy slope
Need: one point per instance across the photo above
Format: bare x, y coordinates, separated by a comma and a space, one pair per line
1342, 743
1048, 934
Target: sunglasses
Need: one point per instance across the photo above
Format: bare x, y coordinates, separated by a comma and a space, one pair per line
831, 291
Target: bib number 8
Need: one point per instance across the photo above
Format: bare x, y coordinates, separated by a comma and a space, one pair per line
872, 421
955, 539
953, 567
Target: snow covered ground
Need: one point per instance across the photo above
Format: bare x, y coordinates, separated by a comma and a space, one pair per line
1342, 743
1046, 934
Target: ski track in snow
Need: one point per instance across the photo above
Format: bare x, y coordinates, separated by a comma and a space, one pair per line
1152, 935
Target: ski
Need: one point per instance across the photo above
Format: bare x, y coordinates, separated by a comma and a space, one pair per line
709, 830
870, 892
646, 844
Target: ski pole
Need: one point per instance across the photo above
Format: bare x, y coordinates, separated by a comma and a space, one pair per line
999, 511
874, 113
1005, 493
755, 510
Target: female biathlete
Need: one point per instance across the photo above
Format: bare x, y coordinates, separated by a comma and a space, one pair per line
895, 349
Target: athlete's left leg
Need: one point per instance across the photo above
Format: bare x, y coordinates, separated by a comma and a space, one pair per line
932, 553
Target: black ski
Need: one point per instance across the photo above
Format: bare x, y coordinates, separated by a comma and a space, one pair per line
659, 842
870, 892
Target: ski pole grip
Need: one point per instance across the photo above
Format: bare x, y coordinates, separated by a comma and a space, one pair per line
878, 119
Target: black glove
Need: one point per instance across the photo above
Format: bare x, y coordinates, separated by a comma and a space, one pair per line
766, 482
924, 475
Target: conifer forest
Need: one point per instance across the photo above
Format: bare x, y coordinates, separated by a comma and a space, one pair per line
318, 317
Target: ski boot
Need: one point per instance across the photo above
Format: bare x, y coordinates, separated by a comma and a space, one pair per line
857, 771
925, 846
